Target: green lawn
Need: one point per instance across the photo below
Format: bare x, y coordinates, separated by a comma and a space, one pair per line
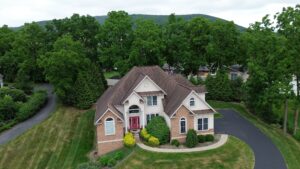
288, 146
62, 141
235, 154
111, 74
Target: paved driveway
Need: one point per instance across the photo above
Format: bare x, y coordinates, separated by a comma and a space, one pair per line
39, 117
267, 156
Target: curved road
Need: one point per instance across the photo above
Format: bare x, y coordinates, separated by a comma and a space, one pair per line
267, 156
20, 128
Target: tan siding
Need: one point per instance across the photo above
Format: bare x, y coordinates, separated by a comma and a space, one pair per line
175, 128
110, 142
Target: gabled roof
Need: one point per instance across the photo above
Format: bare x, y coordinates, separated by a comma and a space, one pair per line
175, 86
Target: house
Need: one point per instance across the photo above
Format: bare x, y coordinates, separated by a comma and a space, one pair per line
146, 92
235, 71
1, 80
203, 72
294, 85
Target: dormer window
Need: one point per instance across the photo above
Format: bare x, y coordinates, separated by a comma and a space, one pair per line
192, 101
151, 100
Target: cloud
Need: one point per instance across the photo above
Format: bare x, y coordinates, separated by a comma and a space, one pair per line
244, 12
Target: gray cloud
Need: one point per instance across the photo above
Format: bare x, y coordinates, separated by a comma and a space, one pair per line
17, 12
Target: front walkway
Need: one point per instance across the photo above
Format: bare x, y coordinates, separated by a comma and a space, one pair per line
222, 141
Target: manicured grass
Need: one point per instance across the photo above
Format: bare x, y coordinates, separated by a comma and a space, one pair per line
235, 154
218, 115
288, 146
111, 74
62, 141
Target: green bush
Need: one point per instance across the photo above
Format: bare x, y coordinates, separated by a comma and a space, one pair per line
8, 109
153, 141
191, 138
119, 155
89, 165
175, 143
35, 102
201, 138
111, 162
129, 140
16, 94
158, 128
209, 137
144, 134
104, 160
219, 87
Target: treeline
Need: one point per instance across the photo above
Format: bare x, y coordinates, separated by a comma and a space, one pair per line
71, 54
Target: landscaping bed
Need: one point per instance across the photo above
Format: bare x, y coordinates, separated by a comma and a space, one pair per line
183, 146
235, 154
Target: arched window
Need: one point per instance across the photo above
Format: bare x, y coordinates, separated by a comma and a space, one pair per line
182, 125
192, 101
134, 109
109, 126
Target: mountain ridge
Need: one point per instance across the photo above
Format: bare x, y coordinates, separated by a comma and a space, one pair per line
159, 19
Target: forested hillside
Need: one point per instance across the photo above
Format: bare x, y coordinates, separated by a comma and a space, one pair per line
159, 19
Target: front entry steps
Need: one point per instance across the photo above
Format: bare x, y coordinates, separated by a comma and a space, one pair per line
136, 133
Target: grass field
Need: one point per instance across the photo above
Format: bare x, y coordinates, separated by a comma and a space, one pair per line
288, 146
235, 154
111, 74
61, 142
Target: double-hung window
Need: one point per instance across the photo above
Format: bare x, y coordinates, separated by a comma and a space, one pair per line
151, 116
182, 125
151, 100
109, 126
192, 101
202, 124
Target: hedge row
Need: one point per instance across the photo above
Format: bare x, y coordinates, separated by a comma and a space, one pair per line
22, 111
34, 103
16, 94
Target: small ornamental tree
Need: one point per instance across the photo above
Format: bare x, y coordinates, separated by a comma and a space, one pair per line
158, 128
191, 138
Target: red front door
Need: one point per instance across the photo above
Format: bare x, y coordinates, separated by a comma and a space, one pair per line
134, 122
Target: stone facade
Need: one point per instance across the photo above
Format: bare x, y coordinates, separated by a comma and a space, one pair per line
182, 112
107, 143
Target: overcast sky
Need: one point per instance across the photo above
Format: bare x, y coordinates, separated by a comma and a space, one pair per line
17, 12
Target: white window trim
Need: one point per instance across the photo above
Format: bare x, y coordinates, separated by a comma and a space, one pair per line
180, 125
192, 100
203, 123
152, 101
114, 124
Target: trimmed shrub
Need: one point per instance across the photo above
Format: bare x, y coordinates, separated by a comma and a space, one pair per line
129, 140
119, 155
209, 137
144, 134
111, 162
16, 94
35, 102
175, 143
8, 109
153, 141
201, 138
104, 160
158, 128
191, 138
